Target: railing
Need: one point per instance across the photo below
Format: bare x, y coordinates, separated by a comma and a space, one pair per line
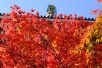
52, 18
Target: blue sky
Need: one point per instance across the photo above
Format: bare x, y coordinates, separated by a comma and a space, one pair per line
80, 7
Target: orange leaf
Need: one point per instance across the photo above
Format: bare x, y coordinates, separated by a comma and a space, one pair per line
99, 0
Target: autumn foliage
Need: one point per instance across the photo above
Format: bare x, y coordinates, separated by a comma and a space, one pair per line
32, 42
